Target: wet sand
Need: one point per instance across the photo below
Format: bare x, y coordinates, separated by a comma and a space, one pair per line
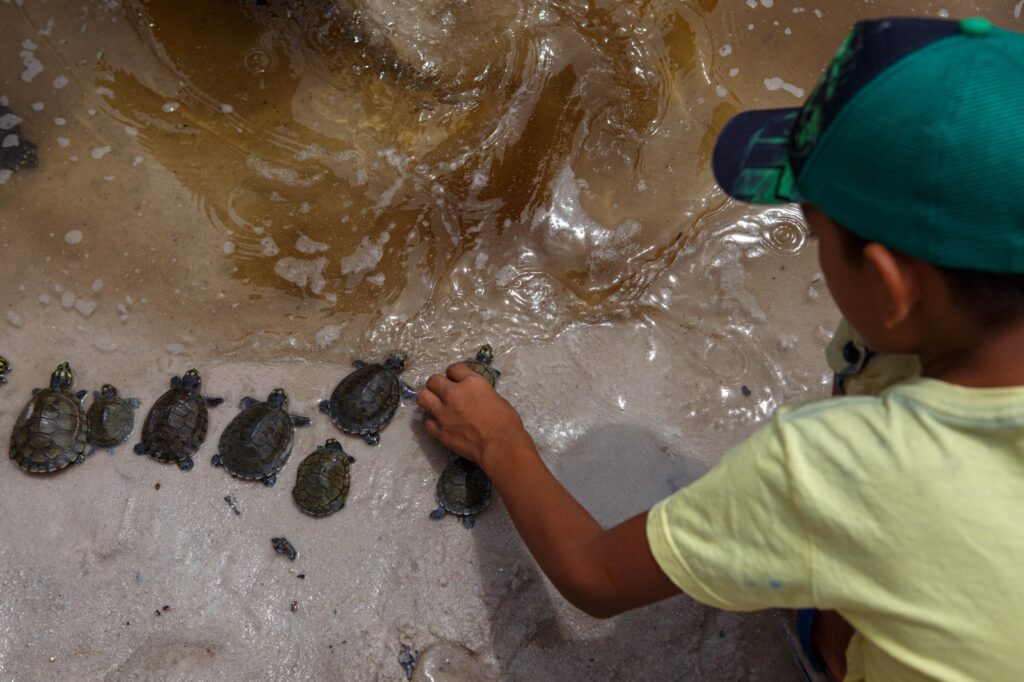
635, 372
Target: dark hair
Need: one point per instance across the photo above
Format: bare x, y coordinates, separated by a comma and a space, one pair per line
995, 298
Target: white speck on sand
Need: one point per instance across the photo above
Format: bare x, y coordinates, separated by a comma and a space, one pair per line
725, 50
306, 245
733, 72
778, 84
5, 175
104, 92
752, 4
33, 67
73, 237
376, 280
721, 91
229, 248
38, 106
1018, 9
768, 3
268, 247
170, 107
306, 207
59, 82
85, 307
131, 130
99, 152
44, 298
329, 335
10, 141
97, 284
15, 319
8, 121
137, 160
67, 299
175, 348
63, 142
226, 108
59, 121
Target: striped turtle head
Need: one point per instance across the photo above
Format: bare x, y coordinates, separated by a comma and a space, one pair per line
62, 377
277, 398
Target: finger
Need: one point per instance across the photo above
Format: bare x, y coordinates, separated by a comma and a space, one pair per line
438, 384
432, 428
429, 401
460, 372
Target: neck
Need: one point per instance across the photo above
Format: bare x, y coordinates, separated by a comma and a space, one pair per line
992, 359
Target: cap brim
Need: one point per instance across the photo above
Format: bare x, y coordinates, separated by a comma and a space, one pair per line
751, 157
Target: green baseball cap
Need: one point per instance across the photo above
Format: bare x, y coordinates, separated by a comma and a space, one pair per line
913, 138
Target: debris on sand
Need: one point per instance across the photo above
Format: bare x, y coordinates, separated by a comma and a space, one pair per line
234, 507
407, 659
283, 547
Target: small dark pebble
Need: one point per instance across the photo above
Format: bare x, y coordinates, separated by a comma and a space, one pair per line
166, 607
158, 612
407, 659
301, 576
156, 486
745, 390
295, 606
282, 546
231, 503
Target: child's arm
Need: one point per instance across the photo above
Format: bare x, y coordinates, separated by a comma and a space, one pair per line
602, 571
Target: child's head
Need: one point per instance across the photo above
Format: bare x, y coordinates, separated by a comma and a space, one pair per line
909, 160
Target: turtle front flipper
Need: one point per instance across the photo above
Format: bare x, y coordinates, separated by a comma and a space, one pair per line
81, 457
218, 460
438, 514
81, 394
408, 392
359, 364
372, 438
469, 520
212, 402
139, 449
269, 481
133, 403
325, 407
299, 421
186, 464
247, 402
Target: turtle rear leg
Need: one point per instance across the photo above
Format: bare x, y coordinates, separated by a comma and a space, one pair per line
81, 457
325, 407
359, 364
372, 438
139, 449
212, 402
247, 402
438, 514
299, 421
269, 481
186, 464
218, 460
469, 521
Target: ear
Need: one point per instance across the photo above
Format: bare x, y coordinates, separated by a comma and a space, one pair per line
899, 280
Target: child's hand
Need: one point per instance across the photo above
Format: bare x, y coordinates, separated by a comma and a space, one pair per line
467, 415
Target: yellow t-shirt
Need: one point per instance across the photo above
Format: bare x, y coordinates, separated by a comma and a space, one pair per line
903, 512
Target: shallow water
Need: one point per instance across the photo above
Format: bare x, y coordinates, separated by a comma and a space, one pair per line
269, 191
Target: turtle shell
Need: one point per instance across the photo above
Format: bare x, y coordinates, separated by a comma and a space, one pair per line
51, 432
463, 488
257, 442
111, 421
365, 400
175, 427
322, 482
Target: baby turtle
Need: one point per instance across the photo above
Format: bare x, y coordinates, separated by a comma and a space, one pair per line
111, 418
365, 401
481, 364
16, 152
5, 368
258, 441
463, 490
323, 480
51, 432
176, 424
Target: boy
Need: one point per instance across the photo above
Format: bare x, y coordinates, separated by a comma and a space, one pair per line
901, 512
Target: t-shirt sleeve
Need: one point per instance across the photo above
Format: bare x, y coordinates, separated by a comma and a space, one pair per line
734, 539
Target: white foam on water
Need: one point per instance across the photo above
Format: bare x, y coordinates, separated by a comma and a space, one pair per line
99, 152
306, 245
774, 84
366, 257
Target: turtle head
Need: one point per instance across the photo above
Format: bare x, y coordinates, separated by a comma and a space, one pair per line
485, 354
396, 361
192, 381
5, 367
108, 391
277, 398
332, 444
62, 377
